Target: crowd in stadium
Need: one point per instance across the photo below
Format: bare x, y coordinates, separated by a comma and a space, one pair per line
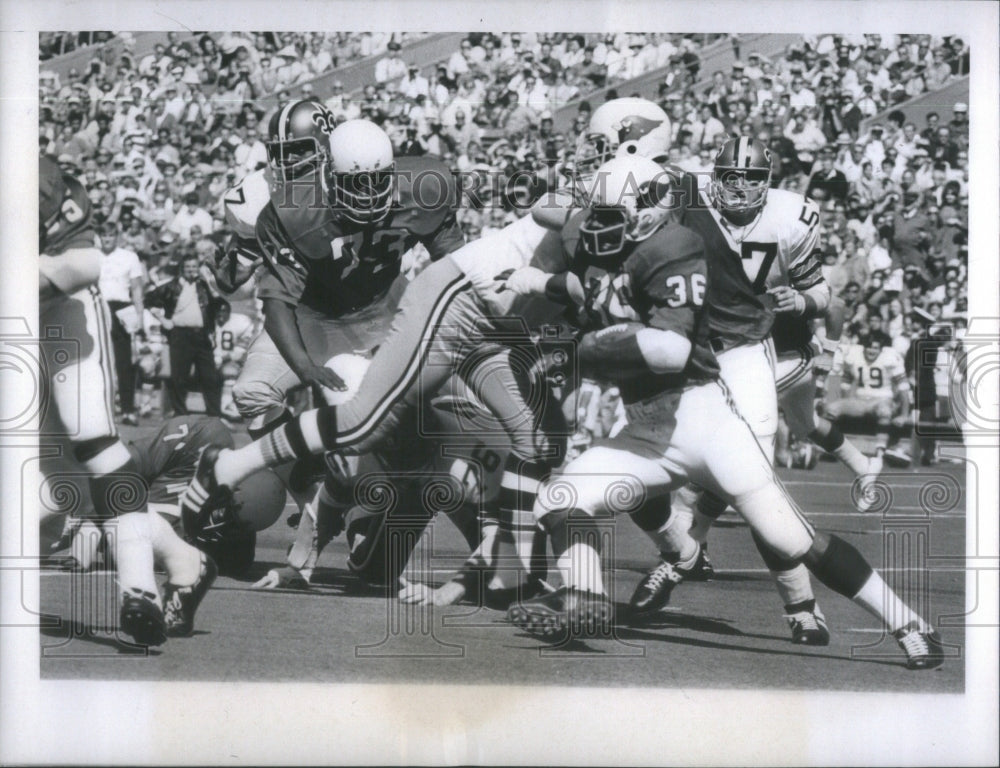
157, 139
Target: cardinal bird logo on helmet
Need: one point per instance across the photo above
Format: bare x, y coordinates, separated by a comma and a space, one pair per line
634, 127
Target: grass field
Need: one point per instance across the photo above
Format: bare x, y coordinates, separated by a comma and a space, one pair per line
727, 633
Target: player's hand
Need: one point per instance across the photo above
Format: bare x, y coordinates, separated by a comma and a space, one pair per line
423, 594
526, 281
166, 323
281, 578
787, 300
902, 421
823, 363
321, 376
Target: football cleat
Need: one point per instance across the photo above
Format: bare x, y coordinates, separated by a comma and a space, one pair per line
868, 493
653, 592
923, 650
203, 495
896, 458
142, 618
809, 627
181, 603
567, 609
702, 570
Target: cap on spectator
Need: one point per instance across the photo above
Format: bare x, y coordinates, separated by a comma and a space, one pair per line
67, 159
961, 107
288, 52
166, 237
843, 138
738, 65
413, 68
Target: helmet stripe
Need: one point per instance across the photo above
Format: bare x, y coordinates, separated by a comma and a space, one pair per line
283, 121
743, 152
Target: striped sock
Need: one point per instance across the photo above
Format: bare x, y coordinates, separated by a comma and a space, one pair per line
518, 490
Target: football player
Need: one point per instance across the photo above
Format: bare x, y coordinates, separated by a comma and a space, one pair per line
166, 460
74, 323
653, 339
879, 392
231, 338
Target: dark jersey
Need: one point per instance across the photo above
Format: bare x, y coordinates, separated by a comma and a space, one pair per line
64, 212
660, 283
167, 459
776, 248
315, 258
791, 333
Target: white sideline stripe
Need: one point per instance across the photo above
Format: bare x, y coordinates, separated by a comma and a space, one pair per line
848, 483
732, 517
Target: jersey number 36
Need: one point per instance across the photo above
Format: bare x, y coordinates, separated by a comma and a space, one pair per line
686, 289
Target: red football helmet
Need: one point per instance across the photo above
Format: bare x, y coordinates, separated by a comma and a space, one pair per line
299, 139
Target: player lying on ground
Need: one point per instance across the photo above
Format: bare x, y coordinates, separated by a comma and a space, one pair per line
165, 460
75, 323
682, 422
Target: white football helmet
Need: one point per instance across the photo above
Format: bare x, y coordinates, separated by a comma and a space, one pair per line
624, 127
351, 369
360, 171
630, 197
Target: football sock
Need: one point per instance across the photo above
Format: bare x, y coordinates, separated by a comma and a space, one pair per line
86, 543
518, 490
880, 601
581, 568
794, 587
707, 509
180, 560
575, 543
134, 555
846, 452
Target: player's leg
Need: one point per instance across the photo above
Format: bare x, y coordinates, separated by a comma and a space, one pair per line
569, 507
749, 481
207, 373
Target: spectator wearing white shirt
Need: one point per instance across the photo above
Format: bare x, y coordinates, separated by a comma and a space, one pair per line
800, 97
319, 59
390, 67
414, 84
121, 284
458, 62
189, 217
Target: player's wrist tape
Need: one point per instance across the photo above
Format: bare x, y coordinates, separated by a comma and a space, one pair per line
830, 345
557, 289
614, 350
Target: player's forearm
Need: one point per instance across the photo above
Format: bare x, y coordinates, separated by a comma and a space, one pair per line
620, 352
137, 297
280, 324
815, 300
833, 320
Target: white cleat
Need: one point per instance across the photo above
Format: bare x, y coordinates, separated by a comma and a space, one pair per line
869, 495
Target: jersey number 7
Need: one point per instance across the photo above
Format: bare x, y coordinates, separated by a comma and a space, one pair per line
757, 261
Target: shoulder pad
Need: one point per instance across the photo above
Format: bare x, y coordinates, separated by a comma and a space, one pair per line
427, 194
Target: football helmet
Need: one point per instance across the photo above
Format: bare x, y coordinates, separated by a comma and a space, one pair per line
623, 127
351, 369
741, 178
299, 139
360, 171
259, 500
628, 202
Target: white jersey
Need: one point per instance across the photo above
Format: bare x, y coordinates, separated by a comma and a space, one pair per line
879, 378
231, 339
243, 204
520, 244
776, 248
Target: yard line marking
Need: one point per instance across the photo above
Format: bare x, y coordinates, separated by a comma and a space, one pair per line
848, 482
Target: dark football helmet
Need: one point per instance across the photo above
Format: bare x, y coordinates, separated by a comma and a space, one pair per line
741, 178
299, 139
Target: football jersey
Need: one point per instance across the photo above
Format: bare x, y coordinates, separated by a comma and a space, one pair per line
744, 262
235, 334
660, 283
243, 204
167, 459
876, 379
334, 266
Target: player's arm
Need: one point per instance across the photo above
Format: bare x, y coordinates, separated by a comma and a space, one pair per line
555, 208
901, 394
807, 294
833, 326
236, 263
70, 271
282, 327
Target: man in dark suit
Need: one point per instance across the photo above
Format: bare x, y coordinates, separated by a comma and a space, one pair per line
189, 316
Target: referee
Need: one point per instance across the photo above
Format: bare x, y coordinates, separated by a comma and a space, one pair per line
121, 285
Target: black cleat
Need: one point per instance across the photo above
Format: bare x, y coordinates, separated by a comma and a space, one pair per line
702, 569
808, 627
653, 592
180, 603
923, 650
142, 618
565, 610
203, 496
